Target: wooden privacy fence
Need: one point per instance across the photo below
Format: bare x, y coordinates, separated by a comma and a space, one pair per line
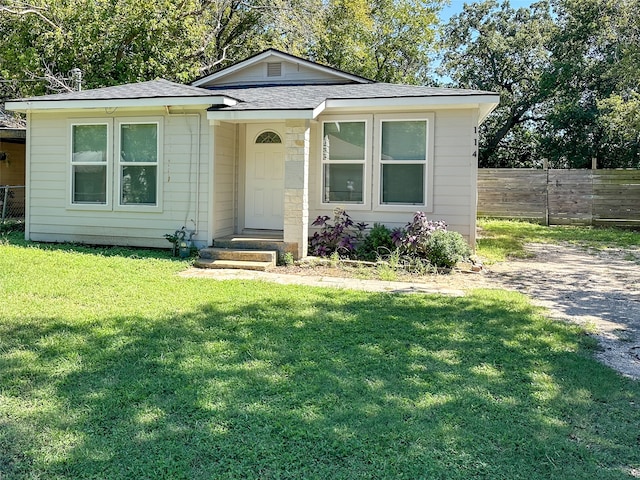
559, 197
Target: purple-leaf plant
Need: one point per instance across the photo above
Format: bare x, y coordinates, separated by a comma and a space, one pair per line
342, 236
412, 239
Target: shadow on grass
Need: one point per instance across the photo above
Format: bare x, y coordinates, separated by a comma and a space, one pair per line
366, 386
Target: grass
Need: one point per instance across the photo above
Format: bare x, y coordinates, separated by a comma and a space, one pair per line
112, 366
501, 239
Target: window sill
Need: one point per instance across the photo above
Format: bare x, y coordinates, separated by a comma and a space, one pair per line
95, 207
138, 208
344, 205
403, 208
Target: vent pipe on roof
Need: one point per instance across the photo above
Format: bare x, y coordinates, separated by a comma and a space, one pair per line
76, 78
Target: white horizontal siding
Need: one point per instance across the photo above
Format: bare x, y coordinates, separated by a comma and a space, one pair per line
454, 178
455, 170
53, 150
291, 73
224, 179
52, 219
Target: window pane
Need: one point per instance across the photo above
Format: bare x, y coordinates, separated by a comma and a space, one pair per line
343, 183
403, 184
89, 143
404, 140
138, 185
139, 142
343, 141
89, 184
268, 137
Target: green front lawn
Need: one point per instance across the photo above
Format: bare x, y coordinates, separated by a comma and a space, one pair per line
501, 239
112, 366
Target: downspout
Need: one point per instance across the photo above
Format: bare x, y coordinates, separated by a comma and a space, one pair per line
196, 220
27, 178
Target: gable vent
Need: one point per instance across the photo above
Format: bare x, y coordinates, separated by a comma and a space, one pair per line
274, 69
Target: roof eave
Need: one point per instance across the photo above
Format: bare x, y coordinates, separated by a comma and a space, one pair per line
458, 101
35, 104
487, 108
262, 114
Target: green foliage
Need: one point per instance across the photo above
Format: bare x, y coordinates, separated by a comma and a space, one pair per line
116, 367
385, 40
338, 237
376, 243
619, 115
10, 225
413, 239
137, 40
566, 72
287, 259
112, 42
492, 46
446, 248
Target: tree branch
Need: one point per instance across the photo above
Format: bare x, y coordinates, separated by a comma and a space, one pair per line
28, 10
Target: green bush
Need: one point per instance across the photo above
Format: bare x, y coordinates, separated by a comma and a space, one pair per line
9, 226
376, 244
446, 248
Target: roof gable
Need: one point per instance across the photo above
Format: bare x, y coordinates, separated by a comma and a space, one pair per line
273, 67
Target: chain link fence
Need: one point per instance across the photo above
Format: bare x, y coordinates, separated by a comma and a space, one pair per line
11, 203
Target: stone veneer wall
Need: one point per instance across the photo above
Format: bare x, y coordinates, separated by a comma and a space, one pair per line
296, 186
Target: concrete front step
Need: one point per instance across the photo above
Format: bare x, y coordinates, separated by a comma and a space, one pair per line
233, 264
215, 253
250, 242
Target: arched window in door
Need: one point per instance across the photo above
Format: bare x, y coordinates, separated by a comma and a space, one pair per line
268, 137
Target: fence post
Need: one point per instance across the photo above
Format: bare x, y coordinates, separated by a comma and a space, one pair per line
5, 197
594, 167
545, 166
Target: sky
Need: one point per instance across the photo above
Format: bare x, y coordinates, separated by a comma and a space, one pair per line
456, 7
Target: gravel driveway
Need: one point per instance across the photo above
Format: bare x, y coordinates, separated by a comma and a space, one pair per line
600, 289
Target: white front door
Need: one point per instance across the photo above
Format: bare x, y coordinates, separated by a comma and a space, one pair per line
264, 199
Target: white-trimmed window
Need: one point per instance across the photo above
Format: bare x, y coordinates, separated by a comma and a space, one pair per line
344, 157
381, 162
138, 163
403, 162
116, 164
89, 163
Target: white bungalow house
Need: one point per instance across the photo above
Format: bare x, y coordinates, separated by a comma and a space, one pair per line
263, 146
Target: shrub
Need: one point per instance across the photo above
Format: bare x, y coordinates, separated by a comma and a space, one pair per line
286, 259
430, 241
414, 238
9, 226
376, 244
342, 236
446, 248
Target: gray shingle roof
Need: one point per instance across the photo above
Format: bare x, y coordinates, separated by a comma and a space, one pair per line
250, 98
298, 97
152, 89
